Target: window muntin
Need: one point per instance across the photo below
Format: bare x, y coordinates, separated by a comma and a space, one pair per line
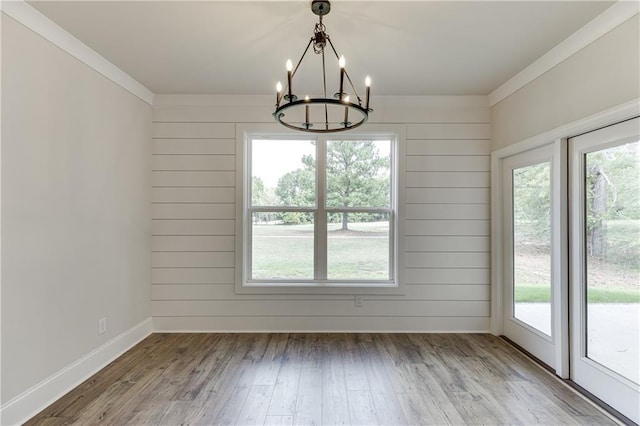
329, 219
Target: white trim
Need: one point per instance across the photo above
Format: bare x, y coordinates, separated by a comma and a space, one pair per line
1, 150
269, 100
556, 136
560, 257
393, 287
320, 237
599, 26
537, 342
52, 32
497, 304
592, 122
612, 387
319, 331
26, 405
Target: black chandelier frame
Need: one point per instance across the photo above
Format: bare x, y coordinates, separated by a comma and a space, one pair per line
340, 99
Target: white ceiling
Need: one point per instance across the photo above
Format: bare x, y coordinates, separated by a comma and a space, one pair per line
240, 47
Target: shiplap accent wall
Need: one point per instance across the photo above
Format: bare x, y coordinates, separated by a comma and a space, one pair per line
446, 250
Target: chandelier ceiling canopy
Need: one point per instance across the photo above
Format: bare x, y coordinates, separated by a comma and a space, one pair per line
345, 110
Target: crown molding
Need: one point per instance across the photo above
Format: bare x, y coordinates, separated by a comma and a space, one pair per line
611, 18
40, 24
52, 32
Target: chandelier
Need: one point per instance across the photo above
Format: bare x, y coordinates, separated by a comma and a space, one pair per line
343, 111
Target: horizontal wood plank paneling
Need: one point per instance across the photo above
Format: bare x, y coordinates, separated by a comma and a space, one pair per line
200, 259
448, 227
211, 322
194, 146
212, 114
186, 178
446, 211
446, 260
193, 195
452, 276
433, 114
446, 246
447, 196
451, 163
193, 210
464, 131
193, 275
227, 292
448, 147
193, 227
193, 243
193, 162
449, 292
214, 292
447, 179
262, 114
194, 130
319, 308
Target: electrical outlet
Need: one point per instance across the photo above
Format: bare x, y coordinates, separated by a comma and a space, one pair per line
102, 325
358, 301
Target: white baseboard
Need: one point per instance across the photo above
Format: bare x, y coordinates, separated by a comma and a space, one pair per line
26, 405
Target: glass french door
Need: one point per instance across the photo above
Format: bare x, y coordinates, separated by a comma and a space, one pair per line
605, 264
528, 295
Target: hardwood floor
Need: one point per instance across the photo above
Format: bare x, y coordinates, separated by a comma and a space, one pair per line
328, 379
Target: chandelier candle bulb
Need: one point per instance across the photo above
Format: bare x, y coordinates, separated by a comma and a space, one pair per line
289, 70
346, 113
306, 112
367, 83
278, 91
342, 63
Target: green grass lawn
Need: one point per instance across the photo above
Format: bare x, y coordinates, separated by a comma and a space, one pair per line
541, 294
286, 251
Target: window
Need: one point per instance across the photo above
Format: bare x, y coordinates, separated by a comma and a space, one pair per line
319, 212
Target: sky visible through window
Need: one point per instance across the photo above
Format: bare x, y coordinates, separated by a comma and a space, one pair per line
274, 158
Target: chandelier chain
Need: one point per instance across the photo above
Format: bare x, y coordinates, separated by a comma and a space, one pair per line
319, 36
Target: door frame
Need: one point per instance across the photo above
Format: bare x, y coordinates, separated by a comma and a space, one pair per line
596, 378
560, 238
555, 154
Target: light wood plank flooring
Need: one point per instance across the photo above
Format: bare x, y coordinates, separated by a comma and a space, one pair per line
324, 379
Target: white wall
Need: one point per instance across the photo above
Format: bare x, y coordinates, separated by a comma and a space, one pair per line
75, 209
603, 75
447, 225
